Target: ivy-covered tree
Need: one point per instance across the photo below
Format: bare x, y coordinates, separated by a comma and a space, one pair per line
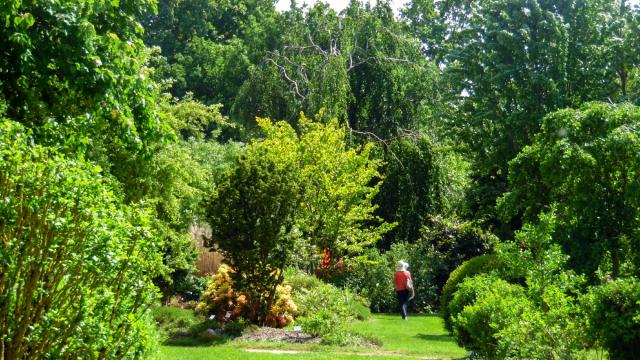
412, 189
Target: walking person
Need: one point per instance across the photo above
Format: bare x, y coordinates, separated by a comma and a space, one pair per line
404, 287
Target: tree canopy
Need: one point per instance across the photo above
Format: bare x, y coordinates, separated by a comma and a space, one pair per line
584, 164
505, 130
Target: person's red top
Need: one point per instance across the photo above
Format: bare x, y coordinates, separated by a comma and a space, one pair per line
401, 280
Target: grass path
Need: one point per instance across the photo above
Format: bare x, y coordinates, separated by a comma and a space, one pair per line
421, 337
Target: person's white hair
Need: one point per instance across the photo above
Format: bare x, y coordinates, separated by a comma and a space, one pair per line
402, 265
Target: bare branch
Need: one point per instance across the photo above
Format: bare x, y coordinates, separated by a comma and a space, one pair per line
284, 73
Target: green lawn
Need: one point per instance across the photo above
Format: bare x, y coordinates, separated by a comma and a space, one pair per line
419, 337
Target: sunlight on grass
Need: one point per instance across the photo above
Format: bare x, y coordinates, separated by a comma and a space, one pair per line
419, 337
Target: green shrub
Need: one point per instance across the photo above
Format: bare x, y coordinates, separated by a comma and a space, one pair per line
554, 330
171, 321
235, 327
535, 318
325, 310
323, 322
500, 320
311, 294
190, 287
300, 281
481, 307
449, 242
477, 265
613, 317
360, 308
372, 277
75, 264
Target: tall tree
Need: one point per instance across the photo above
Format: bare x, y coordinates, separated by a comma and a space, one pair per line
211, 46
359, 66
515, 61
74, 72
584, 164
412, 188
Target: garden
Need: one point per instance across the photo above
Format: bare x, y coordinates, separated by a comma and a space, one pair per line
492, 146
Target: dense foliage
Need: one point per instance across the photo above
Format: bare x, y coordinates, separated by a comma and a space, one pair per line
74, 71
509, 63
289, 193
412, 188
76, 265
613, 316
585, 164
175, 178
325, 310
499, 316
474, 266
491, 144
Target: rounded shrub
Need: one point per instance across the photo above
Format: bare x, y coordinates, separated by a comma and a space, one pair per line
312, 294
75, 264
482, 307
613, 317
450, 242
477, 265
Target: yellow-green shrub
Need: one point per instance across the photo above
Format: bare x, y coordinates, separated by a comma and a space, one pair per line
75, 263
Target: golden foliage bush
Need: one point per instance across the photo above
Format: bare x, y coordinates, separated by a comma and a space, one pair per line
222, 300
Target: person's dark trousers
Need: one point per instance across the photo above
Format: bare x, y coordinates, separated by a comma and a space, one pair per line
403, 300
